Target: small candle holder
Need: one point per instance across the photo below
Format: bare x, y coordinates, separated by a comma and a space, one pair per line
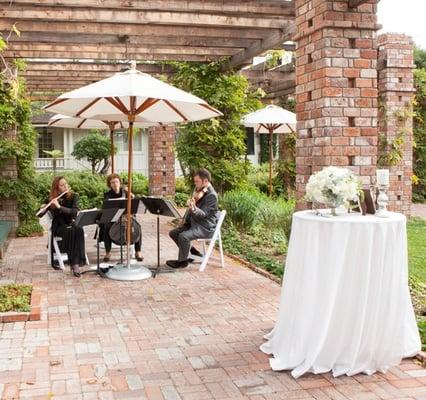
382, 202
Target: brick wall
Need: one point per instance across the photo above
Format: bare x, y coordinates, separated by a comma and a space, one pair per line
336, 89
396, 89
162, 161
8, 207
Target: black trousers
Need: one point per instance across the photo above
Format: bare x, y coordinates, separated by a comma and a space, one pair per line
182, 236
72, 243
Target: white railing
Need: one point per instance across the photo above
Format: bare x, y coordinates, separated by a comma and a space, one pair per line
43, 164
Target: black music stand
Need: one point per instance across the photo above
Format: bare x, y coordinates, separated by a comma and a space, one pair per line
165, 207
98, 217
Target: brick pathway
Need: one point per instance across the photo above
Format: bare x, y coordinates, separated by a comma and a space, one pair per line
187, 335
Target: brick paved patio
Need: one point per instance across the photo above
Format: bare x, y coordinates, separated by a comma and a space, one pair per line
187, 335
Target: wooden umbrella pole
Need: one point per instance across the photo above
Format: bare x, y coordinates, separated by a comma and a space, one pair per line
270, 160
111, 133
129, 188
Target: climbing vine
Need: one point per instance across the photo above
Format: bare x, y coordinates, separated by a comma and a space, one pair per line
15, 115
391, 151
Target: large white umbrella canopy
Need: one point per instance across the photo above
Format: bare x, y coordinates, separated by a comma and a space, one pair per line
271, 119
63, 121
132, 96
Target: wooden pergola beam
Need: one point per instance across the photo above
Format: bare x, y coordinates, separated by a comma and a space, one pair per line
270, 7
95, 67
277, 39
111, 56
81, 51
138, 17
141, 40
94, 27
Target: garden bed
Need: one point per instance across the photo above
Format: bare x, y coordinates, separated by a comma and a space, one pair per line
19, 303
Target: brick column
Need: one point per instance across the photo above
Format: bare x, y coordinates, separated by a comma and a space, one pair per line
9, 170
396, 90
336, 89
162, 161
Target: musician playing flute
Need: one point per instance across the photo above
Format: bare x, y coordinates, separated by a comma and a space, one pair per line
199, 222
116, 191
63, 204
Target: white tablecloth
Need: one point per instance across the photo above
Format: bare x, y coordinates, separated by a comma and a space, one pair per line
345, 304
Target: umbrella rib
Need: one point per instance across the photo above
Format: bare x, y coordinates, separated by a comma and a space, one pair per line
54, 121
81, 123
119, 101
145, 105
53, 103
88, 106
175, 110
210, 108
117, 105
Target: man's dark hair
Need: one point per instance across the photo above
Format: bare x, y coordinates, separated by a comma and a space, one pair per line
203, 174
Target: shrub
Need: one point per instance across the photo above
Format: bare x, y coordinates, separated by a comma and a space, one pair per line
90, 188
242, 207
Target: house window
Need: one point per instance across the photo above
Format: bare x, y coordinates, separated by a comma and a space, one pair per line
122, 144
250, 141
45, 142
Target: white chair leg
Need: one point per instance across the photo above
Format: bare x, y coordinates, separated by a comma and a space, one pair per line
208, 254
58, 254
222, 262
204, 247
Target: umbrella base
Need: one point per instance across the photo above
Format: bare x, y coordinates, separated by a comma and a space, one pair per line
133, 272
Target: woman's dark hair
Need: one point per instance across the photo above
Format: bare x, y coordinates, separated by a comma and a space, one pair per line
203, 174
111, 177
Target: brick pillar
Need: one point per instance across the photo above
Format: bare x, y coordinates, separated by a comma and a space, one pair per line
162, 161
336, 89
9, 170
396, 90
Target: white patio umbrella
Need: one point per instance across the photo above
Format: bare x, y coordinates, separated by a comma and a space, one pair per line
132, 96
63, 121
271, 119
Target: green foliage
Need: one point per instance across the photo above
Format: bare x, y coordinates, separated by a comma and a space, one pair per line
247, 247
252, 211
264, 147
90, 188
419, 58
140, 183
217, 144
419, 133
96, 148
15, 297
273, 58
183, 192
15, 114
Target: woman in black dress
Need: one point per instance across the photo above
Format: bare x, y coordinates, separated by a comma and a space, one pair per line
116, 192
64, 211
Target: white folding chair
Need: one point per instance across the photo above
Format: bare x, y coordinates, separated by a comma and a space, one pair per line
216, 237
53, 250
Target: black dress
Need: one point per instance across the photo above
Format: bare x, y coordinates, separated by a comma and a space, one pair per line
63, 225
104, 228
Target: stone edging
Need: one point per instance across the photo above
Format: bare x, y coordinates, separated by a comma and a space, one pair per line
255, 268
33, 315
421, 357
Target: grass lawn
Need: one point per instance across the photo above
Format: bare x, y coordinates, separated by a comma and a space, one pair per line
417, 267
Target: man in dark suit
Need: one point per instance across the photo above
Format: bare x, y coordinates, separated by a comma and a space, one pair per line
200, 219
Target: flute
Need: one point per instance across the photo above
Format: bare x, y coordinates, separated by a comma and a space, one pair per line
44, 208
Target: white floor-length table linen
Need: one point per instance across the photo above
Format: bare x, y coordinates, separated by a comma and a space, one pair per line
345, 304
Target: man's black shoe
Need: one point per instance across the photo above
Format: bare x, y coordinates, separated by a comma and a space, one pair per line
195, 252
177, 264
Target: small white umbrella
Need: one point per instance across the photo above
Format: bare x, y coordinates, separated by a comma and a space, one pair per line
64, 121
134, 97
271, 119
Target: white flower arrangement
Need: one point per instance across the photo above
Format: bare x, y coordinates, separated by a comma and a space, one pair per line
333, 187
